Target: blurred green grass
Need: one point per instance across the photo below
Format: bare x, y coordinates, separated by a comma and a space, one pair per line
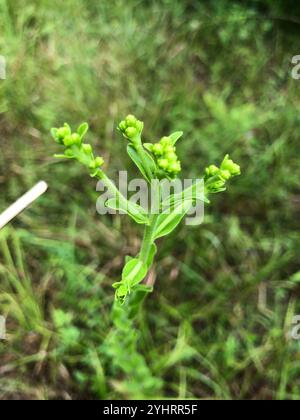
217, 324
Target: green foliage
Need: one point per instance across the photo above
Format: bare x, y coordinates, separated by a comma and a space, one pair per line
133, 273
217, 324
136, 212
143, 161
166, 221
75, 148
216, 178
132, 129
121, 348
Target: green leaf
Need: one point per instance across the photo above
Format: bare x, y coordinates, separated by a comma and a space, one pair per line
54, 133
128, 258
60, 156
134, 272
196, 192
143, 288
83, 129
136, 212
176, 136
168, 221
148, 146
139, 163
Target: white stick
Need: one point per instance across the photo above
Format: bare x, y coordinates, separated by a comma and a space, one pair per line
22, 203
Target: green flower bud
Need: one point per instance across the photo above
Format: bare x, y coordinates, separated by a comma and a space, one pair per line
99, 162
131, 132
163, 163
123, 126
174, 167
131, 121
87, 149
211, 171
166, 156
76, 139
139, 125
68, 141
165, 141
63, 132
170, 149
229, 165
131, 127
171, 157
226, 175
158, 149
96, 163
235, 169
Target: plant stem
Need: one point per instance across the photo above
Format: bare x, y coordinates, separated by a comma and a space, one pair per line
147, 240
113, 189
149, 231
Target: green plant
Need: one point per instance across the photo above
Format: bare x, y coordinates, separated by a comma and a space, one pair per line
209, 277
156, 162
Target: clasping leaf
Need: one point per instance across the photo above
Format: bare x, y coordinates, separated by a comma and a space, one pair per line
136, 212
170, 219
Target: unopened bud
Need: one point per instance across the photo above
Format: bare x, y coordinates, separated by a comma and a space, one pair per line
165, 141
63, 132
171, 157
131, 121
226, 175
99, 162
131, 132
174, 168
163, 163
123, 126
170, 149
76, 139
211, 171
230, 166
68, 141
158, 149
96, 163
87, 149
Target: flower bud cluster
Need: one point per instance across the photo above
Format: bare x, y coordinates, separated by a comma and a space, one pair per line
75, 148
131, 127
216, 178
166, 157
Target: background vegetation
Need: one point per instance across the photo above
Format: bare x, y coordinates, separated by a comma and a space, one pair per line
217, 325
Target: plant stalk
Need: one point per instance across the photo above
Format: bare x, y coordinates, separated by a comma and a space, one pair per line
149, 232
